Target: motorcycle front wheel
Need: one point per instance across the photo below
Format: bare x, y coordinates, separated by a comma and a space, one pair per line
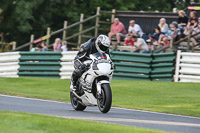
104, 99
76, 103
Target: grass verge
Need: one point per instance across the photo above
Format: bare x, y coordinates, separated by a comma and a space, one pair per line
168, 97
14, 122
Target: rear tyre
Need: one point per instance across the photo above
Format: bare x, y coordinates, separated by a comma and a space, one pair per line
104, 100
76, 103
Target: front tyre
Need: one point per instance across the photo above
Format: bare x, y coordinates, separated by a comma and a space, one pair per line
76, 103
104, 99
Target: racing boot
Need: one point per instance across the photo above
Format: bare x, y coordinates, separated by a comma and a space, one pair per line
72, 86
73, 83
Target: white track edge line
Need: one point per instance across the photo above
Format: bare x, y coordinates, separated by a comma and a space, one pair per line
36, 99
145, 111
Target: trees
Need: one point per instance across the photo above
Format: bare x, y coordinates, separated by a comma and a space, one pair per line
20, 18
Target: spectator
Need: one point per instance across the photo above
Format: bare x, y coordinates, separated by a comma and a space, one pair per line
197, 37
163, 25
37, 48
158, 34
175, 32
195, 40
182, 20
149, 50
117, 30
152, 41
135, 29
169, 32
44, 46
197, 28
57, 45
129, 41
140, 44
64, 46
192, 20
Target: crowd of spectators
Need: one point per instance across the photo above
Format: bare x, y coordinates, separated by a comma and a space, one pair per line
163, 34
58, 46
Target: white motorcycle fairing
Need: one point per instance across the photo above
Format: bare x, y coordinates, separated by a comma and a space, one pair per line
100, 71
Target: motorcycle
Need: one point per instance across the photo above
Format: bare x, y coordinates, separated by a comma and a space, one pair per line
93, 87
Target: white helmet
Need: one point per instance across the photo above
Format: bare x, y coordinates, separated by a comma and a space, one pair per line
102, 43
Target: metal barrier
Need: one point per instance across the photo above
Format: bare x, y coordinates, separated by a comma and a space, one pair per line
131, 66
37, 64
162, 66
9, 64
137, 66
187, 67
67, 65
128, 66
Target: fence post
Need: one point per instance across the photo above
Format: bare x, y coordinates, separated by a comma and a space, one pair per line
31, 42
14, 46
171, 44
188, 41
178, 56
192, 47
80, 30
64, 32
97, 22
48, 33
113, 15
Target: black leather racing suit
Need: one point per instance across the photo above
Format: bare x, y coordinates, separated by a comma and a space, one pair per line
85, 50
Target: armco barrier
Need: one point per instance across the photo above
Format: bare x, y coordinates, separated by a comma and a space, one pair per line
137, 66
37, 64
162, 66
128, 66
40, 64
187, 67
9, 64
131, 66
67, 66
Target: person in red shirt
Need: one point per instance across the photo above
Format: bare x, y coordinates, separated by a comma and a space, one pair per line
129, 41
117, 30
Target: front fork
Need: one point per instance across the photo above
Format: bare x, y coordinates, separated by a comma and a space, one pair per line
99, 83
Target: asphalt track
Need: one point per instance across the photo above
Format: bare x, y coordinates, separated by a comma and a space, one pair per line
129, 117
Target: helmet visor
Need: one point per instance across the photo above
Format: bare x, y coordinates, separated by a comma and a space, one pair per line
102, 47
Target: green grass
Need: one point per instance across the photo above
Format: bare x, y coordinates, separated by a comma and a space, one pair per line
45, 88
168, 97
13, 122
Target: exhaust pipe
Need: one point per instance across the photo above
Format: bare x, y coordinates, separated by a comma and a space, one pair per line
76, 95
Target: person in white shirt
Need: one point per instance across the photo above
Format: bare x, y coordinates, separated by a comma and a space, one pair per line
163, 25
140, 44
135, 29
64, 46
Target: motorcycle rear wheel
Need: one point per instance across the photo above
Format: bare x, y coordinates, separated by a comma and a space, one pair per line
104, 100
76, 103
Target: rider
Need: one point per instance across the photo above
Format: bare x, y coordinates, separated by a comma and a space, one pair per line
101, 44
